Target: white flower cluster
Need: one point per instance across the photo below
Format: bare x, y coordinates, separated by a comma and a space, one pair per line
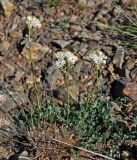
65, 57
32, 22
98, 57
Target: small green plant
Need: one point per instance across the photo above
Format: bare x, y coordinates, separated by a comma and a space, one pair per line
53, 2
64, 24
64, 61
98, 129
99, 58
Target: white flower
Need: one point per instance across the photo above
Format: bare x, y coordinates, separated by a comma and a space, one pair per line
60, 55
65, 57
32, 21
72, 59
60, 63
98, 57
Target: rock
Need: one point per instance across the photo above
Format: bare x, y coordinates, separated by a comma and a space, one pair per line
62, 43
124, 87
30, 80
90, 3
55, 78
21, 156
61, 93
127, 3
77, 67
7, 6
4, 120
130, 63
73, 91
9, 100
92, 36
76, 27
38, 51
82, 4
7, 69
18, 75
118, 58
130, 90
108, 50
133, 74
4, 46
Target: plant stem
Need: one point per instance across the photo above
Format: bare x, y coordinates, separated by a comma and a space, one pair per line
97, 76
67, 88
33, 74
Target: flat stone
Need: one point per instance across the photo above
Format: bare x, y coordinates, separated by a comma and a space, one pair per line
118, 58
133, 74
130, 90
61, 93
124, 87
38, 51
7, 6
62, 43
82, 4
55, 78
9, 100
127, 3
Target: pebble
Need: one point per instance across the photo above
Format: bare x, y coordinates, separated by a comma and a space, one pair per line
62, 43
118, 58
7, 6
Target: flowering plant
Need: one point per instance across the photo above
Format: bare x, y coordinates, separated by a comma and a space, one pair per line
98, 57
32, 22
64, 58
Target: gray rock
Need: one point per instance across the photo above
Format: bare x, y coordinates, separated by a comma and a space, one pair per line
61, 93
90, 3
77, 67
133, 73
118, 58
7, 7
21, 156
55, 78
124, 87
62, 43
9, 100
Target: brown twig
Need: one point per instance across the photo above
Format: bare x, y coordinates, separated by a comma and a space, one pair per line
82, 149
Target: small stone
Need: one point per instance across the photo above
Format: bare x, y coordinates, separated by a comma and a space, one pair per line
82, 4
37, 51
130, 90
125, 154
7, 6
19, 75
76, 27
73, 19
77, 68
118, 58
124, 87
61, 93
127, 3
30, 80
4, 46
55, 78
62, 43
133, 74
90, 3
10, 99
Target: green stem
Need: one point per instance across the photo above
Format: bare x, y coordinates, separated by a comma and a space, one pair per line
67, 88
97, 76
33, 74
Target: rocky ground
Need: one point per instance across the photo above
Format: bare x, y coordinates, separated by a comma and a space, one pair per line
70, 25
